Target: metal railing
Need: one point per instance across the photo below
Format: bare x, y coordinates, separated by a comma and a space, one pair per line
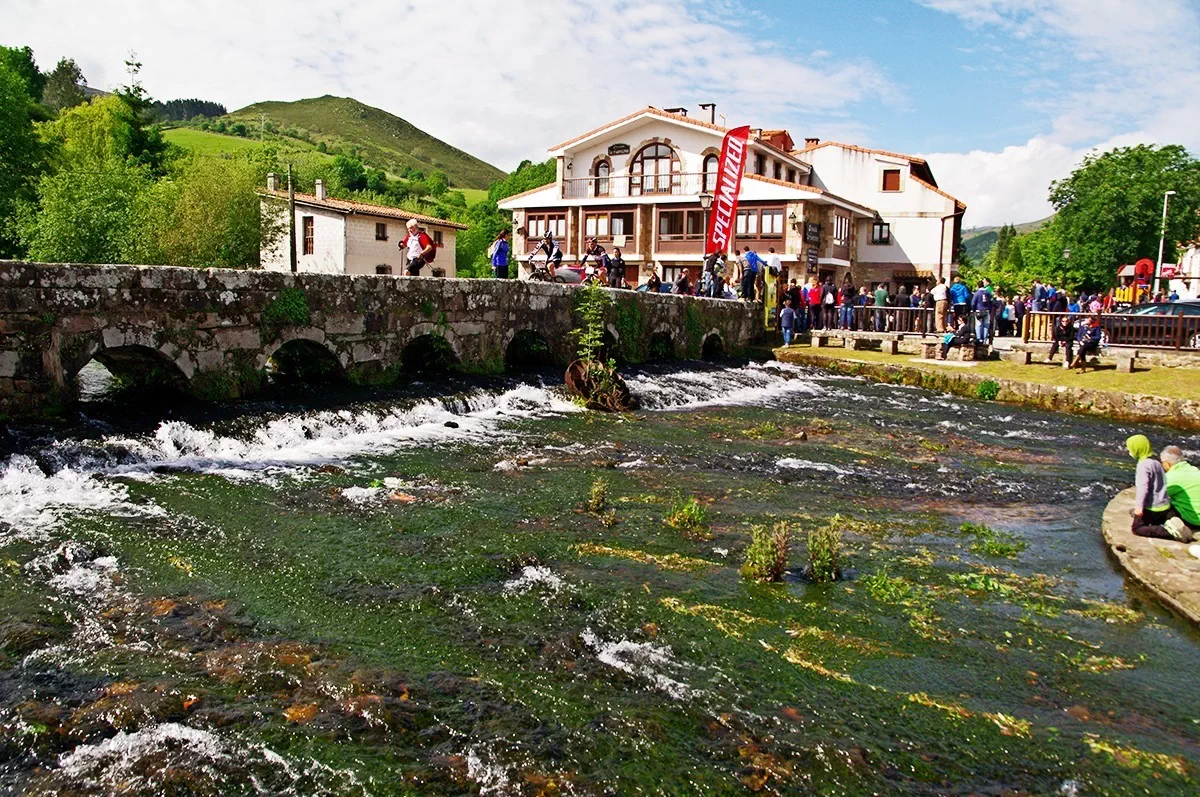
630, 185
1175, 331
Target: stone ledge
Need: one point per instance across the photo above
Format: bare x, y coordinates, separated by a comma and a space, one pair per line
1163, 567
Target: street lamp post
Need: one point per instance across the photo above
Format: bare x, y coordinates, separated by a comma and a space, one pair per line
706, 200
1162, 240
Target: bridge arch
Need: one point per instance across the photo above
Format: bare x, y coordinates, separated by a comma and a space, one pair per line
302, 359
661, 345
713, 347
429, 353
135, 366
526, 349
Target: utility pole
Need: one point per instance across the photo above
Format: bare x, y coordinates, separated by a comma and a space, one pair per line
1162, 240
292, 219
262, 127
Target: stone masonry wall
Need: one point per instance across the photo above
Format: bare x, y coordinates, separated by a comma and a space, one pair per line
213, 331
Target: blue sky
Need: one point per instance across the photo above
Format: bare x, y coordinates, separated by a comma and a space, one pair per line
1002, 96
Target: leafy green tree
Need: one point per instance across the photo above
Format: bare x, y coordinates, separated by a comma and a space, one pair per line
62, 86
238, 129
20, 60
20, 154
377, 181
438, 182
84, 213
1110, 209
527, 175
147, 146
348, 173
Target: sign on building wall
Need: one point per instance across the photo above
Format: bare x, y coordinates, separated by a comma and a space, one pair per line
812, 233
812, 261
618, 149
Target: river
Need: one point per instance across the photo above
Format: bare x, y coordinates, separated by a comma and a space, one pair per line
329, 591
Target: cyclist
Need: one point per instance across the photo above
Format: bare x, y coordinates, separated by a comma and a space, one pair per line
554, 254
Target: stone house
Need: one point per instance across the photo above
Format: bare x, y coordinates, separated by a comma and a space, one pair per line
338, 236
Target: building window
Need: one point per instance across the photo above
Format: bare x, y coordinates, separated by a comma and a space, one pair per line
536, 225
791, 175
380, 231
747, 223
778, 170
760, 164
306, 224
655, 170
383, 269
711, 163
881, 233
772, 223
681, 225
605, 224
437, 237
759, 223
891, 179
602, 171
841, 231
670, 224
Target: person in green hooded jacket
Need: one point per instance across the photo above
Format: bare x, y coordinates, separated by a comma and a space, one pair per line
1152, 506
1183, 489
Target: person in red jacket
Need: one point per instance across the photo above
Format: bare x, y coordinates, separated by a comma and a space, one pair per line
419, 247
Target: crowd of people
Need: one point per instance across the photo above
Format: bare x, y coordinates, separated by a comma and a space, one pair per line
1167, 501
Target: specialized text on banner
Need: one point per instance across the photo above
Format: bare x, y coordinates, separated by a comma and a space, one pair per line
729, 184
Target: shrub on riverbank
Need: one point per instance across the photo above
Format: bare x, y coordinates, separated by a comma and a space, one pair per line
688, 516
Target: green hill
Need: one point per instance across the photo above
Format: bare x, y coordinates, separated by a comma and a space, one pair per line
383, 140
979, 240
211, 143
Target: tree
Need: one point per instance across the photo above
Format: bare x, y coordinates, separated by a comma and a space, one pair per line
1003, 243
1110, 209
20, 60
20, 154
438, 182
62, 89
348, 173
147, 146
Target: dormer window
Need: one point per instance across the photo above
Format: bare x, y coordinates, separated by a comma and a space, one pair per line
891, 179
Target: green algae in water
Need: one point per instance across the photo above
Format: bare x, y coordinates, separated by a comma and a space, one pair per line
489, 633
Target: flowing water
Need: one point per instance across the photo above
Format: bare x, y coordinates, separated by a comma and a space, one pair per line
406, 593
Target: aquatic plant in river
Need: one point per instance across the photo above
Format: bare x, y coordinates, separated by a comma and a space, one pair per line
825, 551
767, 555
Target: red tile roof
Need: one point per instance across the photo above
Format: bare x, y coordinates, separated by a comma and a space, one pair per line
648, 109
936, 190
366, 208
855, 148
812, 190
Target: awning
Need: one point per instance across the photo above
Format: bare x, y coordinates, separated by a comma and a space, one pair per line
1126, 271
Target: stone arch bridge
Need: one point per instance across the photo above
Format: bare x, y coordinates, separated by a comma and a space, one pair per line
214, 333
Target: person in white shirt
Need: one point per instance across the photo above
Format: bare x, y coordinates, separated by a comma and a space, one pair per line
941, 299
418, 246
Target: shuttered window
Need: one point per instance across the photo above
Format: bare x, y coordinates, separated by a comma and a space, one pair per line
307, 224
891, 179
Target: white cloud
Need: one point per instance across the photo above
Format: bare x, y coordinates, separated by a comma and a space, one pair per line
500, 80
1131, 76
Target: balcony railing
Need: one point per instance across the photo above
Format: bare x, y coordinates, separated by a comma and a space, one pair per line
633, 185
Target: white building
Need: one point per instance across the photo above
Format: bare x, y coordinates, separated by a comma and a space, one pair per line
1186, 281
337, 236
635, 184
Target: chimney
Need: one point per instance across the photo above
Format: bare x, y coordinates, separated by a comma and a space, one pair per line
320, 189
272, 182
711, 107
811, 142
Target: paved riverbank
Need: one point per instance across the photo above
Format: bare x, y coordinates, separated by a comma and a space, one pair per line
1164, 395
1161, 566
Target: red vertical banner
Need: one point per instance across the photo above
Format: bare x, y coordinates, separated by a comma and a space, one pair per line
729, 185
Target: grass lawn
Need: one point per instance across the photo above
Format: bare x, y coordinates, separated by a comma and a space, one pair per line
1181, 383
474, 195
208, 143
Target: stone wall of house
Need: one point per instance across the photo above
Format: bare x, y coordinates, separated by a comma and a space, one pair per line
212, 332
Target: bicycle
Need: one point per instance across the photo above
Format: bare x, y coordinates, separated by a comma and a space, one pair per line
541, 273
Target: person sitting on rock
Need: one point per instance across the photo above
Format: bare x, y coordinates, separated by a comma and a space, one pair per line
1151, 507
963, 336
1183, 488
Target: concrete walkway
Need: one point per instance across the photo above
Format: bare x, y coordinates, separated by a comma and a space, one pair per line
1162, 566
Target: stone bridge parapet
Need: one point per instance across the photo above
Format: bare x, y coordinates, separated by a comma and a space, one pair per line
213, 333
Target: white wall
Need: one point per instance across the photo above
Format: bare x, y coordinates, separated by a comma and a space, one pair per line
329, 244
364, 253
914, 212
